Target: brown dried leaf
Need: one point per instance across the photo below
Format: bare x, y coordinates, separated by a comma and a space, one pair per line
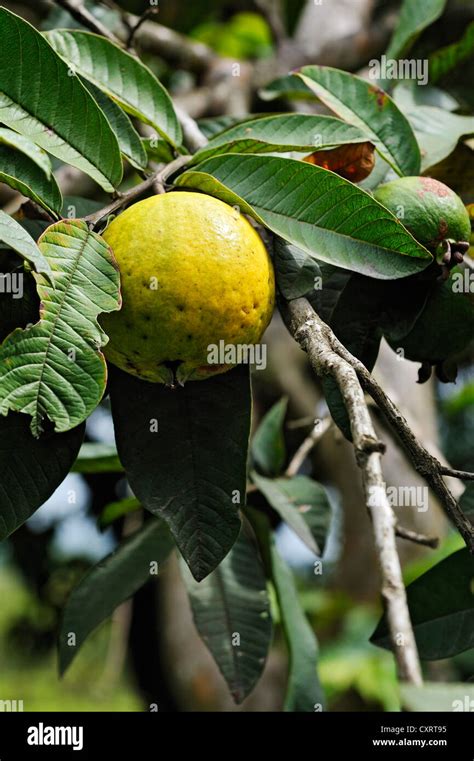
353, 162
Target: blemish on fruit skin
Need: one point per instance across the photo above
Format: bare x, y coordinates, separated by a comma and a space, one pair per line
429, 185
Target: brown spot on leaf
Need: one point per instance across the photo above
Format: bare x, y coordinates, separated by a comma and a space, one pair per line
354, 162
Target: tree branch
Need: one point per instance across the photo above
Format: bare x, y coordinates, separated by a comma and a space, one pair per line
414, 536
318, 431
157, 178
313, 336
80, 13
463, 475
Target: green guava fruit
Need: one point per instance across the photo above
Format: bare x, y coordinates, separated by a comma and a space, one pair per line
195, 275
432, 212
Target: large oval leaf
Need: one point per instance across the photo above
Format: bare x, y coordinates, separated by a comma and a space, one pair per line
315, 209
129, 140
282, 133
121, 76
368, 107
24, 175
231, 611
39, 99
441, 604
185, 453
31, 468
30, 149
17, 238
55, 368
110, 583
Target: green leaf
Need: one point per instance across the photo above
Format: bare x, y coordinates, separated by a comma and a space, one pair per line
111, 582
157, 149
30, 149
432, 337
231, 611
96, 457
283, 133
268, 445
32, 469
50, 107
304, 692
442, 61
314, 209
55, 368
24, 175
437, 696
16, 237
123, 77
290, 86
214, 125
441, 604
185, 453
414, 18
118, 509
130, 142
366, 106
438, 132
296, 272
302, 503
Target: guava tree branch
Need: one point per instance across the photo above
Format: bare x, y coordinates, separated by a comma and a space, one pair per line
80, 13
313, 335
157, 178
424, 463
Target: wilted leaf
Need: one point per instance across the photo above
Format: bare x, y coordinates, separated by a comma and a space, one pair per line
354, 162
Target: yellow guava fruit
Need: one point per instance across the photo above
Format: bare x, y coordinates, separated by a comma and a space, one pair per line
196, 279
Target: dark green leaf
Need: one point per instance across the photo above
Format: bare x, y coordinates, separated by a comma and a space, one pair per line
366, 106
316, 210
302, 503
414, 17
49, 106
24, 175
111, 582
16, 237
441, 604
442, 61
30, 149
231, 611
185, 454
123, 77
95, 457
304, 692
283, 133
129, 140
32, 469
268, 445
296, 272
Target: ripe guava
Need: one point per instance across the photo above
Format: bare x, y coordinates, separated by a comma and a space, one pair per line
432, 212
194, 273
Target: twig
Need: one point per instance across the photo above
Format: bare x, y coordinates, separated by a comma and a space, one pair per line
463, 475
80, 13
193, 137
313, 336
134, 29
414, 536
423, 462
319, 429
158, 177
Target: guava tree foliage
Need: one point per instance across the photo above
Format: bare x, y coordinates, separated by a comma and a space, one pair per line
78, 97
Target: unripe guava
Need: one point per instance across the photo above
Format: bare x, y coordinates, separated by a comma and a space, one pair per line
194, 273
431, 211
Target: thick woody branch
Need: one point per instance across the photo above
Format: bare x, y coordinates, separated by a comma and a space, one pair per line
313, 336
